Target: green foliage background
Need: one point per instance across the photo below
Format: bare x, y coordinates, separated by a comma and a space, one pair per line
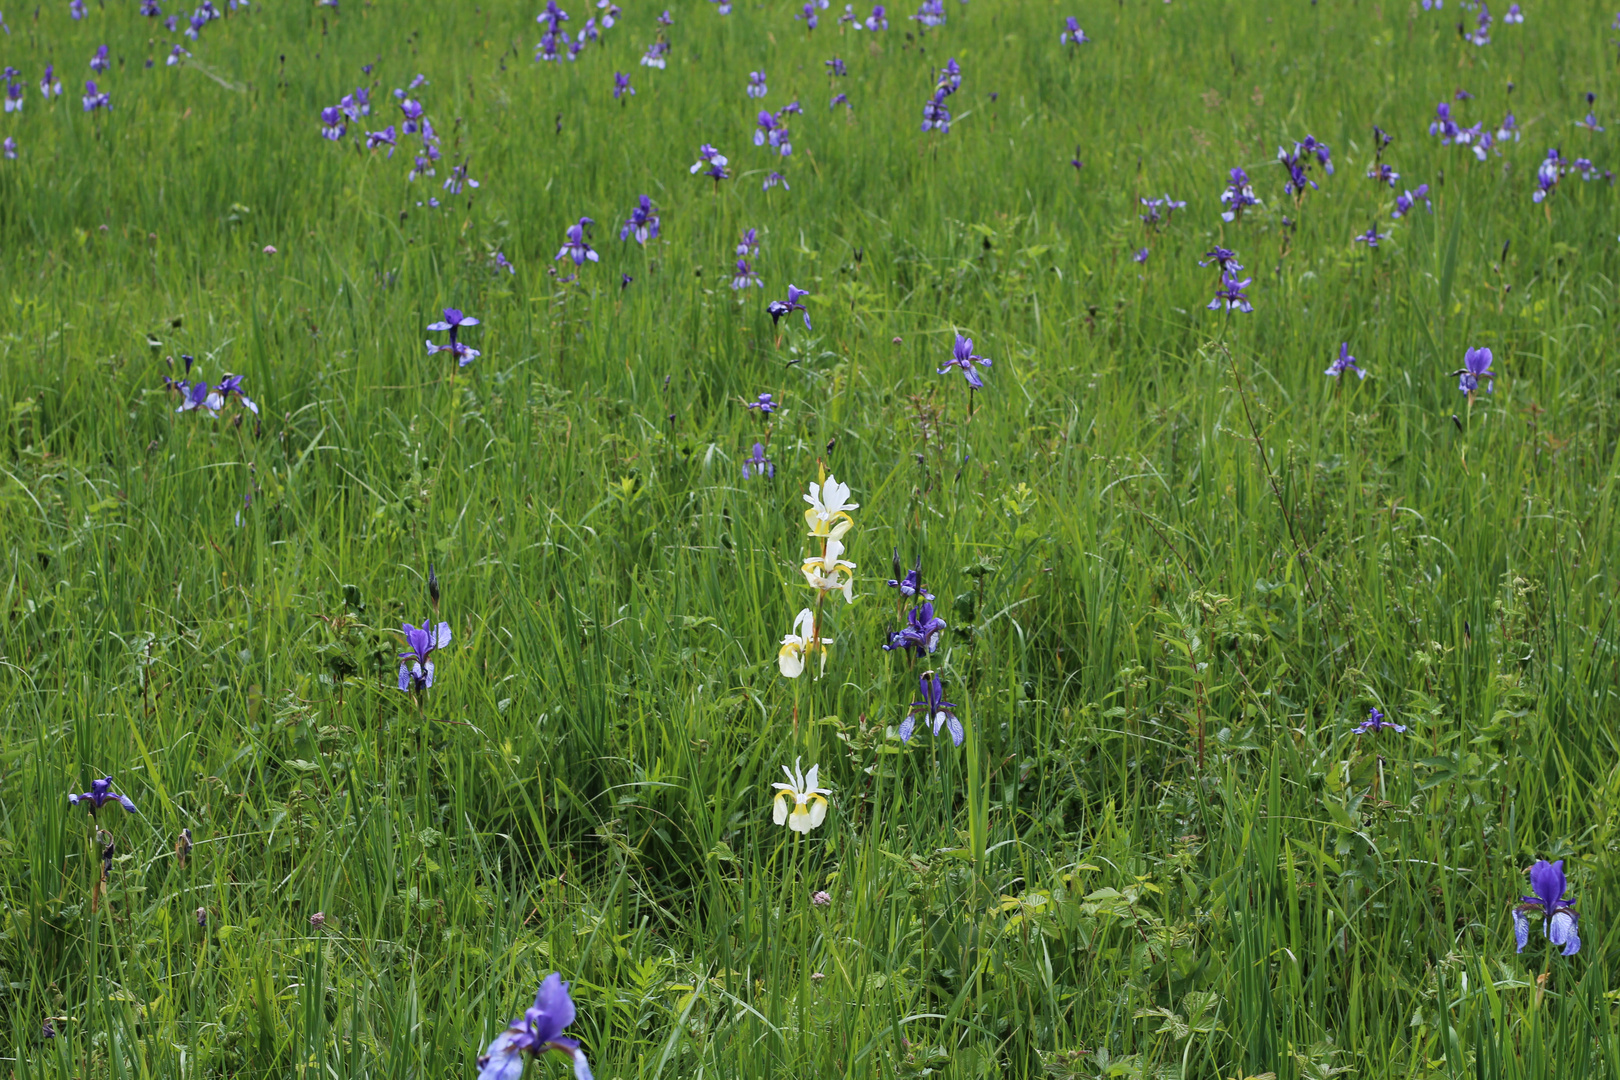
1178, 562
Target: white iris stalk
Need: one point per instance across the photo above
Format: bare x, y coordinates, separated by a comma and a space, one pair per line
800, 643
828, 572
809, 802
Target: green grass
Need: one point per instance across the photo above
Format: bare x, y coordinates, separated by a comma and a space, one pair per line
1178, 563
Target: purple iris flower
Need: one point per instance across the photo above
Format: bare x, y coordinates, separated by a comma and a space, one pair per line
934, 710
909, 584
385, 137
1344, 363
502, 264
936, 114
1476, 366
744, 276
962, 356
714, 159
332, 125
921, 633
9, 148
150, 8
421, 642
458, 178
170, 23
99, 795
621, 86
94, 100
759, 464
232, 385
931, 13
1371, 236
1513, 15
778, 308
836, 67
765, 404
546, 49
724, 6
1590, 123
1231, 294
1442, 124
1548, 173
1165, 203
756, 84
1383, 173
949, 77
1560, 922
878, 20
99, 61
198, 396
1238, 196
610, 12
1376, 722
1509, 129
1585, 167
642, 223
553, 16
590, 33
176, 54
1475, 138
423, 166
1482, 27
840, 99
453, 321
773, 132
666, 19
1072, 34
1140, 255
576, 247
773, 179
1297, 177
1407, 200
413, 113
808, 15
14, 96
1224, 258
76, 9
49, 84
539, 1030
357, 104
748, 246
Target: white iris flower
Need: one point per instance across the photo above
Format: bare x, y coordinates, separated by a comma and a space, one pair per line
809, 807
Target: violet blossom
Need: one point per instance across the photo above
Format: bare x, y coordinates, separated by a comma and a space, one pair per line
642, 223
1343, 363
778, 308
962, 356
576, 247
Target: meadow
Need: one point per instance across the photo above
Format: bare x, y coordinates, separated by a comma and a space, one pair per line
1261, 684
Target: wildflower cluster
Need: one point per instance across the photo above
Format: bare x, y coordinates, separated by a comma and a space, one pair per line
1238, 196
1229, 293
199, 395
919, 637
936, 114
1297, 164
554, 42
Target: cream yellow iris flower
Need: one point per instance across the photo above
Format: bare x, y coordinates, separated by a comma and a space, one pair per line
808, 802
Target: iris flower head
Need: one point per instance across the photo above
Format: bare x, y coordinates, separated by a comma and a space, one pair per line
828, 513
800, 804
1560, 922
539, 1030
